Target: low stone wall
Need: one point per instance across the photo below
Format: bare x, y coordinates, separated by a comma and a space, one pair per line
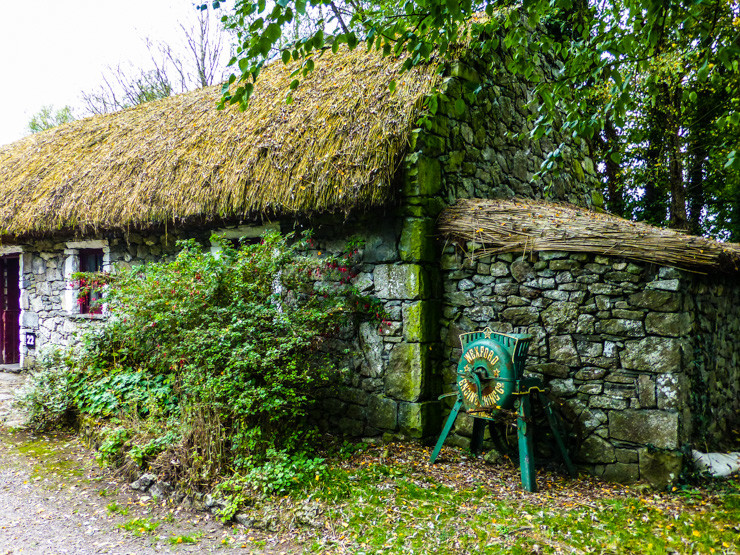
615, 341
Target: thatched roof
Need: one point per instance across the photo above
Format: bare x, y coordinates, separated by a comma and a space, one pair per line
500, 226
334, 149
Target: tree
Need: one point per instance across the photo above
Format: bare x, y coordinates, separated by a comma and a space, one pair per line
615, 73
47, 117
199, 62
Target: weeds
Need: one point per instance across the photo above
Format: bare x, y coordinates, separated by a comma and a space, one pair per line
115, 508
140, 526
192, 538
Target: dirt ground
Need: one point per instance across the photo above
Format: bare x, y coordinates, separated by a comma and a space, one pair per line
55, 498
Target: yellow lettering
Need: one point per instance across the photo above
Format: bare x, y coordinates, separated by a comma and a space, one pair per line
495, 360
469, 356
491, 399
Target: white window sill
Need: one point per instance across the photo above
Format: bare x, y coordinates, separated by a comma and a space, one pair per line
87, 316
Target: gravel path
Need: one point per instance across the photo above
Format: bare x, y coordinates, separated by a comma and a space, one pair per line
55, 499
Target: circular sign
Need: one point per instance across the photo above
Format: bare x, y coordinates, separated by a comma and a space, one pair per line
485, 375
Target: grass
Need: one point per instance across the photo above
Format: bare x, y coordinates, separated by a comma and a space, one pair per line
401, 504
407, 516
48, 459
115, 508
176, 540
140, 526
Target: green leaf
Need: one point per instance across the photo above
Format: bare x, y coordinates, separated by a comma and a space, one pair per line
318, 39
285, 54
392, 85
433, 104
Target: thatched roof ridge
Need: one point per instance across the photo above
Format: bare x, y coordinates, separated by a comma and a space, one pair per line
501, 226
335, 148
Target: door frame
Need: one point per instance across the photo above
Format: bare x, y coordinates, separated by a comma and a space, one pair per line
10, 335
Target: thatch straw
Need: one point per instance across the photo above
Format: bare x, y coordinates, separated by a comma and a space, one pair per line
501, 226
335, 148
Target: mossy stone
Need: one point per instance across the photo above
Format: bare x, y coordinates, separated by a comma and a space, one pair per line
429, 207
382, 412
402, 282
420, 321
595, 449
464, 71
420, 420
423, 177
417, 240
428, 143
660, 468
406, 372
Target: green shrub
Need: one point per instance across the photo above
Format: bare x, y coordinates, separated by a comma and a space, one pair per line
234, 347
46, 396
143, 453
279, 474
110, 450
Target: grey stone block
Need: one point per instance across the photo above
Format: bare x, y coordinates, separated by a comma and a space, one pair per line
668, 324
655, 427
594, 449
563, 350
654, 354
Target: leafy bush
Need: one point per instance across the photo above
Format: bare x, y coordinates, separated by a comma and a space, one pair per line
46, 396
279, 474
235, 346
140, 454
110, 450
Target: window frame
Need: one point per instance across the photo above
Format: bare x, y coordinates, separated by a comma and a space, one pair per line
70, 304
91, 260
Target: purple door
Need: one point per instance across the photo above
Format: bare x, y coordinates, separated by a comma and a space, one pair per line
10, 309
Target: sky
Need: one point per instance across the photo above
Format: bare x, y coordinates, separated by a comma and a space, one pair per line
51, 50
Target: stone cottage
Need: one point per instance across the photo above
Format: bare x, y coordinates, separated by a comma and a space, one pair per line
347, 158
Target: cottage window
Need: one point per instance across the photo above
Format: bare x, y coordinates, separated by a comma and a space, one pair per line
89, 256
91, 261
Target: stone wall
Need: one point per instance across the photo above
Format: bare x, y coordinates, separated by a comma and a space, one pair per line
485, 151
615, 341
48, 296
388, 387
715, 377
